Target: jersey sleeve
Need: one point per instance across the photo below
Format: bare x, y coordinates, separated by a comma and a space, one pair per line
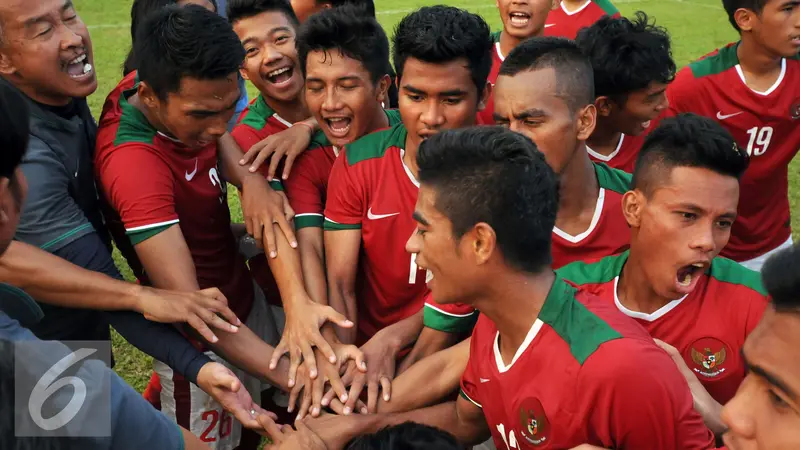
452, 318
470, 380
344, 208
245, 135
635, 398
681, 93
144, 199
305, 190
754, 313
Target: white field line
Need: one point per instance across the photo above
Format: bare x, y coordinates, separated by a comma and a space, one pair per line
388, 12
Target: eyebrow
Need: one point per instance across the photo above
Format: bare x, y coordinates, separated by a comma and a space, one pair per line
250, 39
528, 113
772, 379
43, 18
418, 217
346, 78
213, 111
697, 209
450, 93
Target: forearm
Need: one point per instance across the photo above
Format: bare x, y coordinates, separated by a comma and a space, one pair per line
430, 341
344, 300
312, 260
56, 281
229, 156
403, 333
288, 273
162, 342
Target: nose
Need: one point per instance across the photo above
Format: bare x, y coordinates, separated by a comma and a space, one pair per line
70, 39
271, 54
219, 126
414, 243
663, 103
331, 102
736, 413
432, 117
703, 238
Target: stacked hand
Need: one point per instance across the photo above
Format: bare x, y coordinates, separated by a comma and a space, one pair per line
223, 386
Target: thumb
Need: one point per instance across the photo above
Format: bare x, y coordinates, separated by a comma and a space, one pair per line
338, 318
227, 380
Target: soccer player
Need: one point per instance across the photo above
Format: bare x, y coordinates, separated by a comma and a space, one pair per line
681, 207
570, 16
549, 364
752, 87
764, 412
629, 85
521, 20
442, 56
169, 121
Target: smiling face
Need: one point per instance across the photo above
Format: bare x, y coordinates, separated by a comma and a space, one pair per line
46, 50
436, 97
634, 116
524, 18
686, 220
340, 94
271, 62
765, 413
777, 28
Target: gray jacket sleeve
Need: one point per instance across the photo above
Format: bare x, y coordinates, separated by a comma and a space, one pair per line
50, 217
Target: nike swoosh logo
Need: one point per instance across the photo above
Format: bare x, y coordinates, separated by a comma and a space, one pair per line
548, 25
484, 380
727, 116
189, 176
371, 216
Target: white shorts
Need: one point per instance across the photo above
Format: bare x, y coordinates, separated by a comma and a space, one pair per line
205, 417
488, 445
757, 263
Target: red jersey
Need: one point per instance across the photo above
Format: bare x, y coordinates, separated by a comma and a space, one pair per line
371, 189
708, 326
307, 185
767, 124
608, 234
585, 373
566, 24
486, 117
152, 182
257, 122
624, 156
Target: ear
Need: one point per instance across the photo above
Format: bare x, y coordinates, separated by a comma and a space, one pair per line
6, 66
555, 4
587, 120
483, 242
604, 106
381, 93
745, 19
633, 203
487, 94
148, 96
244, 75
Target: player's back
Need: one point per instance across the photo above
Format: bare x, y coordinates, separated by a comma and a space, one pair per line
765, 124
584, 374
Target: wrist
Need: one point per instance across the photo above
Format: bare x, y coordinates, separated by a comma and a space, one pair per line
133, 297
392, 340
305, 124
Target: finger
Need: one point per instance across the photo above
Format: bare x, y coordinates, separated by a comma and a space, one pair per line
277, 354
216, 294
270, 427
250, 155
269, 239
228, 322
305, 403
338, 387
287, 165
262, 156
309, 360
288, 212
213, 320
198, 324
361, 407
386, 387
287, 229
259, 232
293, 395
337, 407
294, 364
273, 163
325, 347
337, 318
317, 390
355, 392
328, 398
373, 389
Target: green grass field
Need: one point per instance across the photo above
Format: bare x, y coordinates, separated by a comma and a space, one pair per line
696, 26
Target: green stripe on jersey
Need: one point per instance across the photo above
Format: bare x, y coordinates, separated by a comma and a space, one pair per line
599, 272
137, 237
394, 116
257, 114
731, 272
133, 125
607, 7
375, 145
333, 226
308, 221
276, 185
496, 36
448, 323
467, 398
612, 179
580, 328
725, 59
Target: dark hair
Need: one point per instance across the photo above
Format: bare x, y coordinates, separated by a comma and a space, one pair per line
782, 279
14, 121
496, 176
139, 11
342, 29
574, 76
441, 34
626, 55
244, 9
365, 6
177, 42
688, 140
732, 5
406, 436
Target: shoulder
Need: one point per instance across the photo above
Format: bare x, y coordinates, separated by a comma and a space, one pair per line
613, 179
622, 363
496, 36
594, 272
715, 62
256, 114
375, 145
724, 270
607, 7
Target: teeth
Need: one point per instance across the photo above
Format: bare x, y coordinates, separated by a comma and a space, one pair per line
278, 72
698, 265
87, 68
79, 59
687, 280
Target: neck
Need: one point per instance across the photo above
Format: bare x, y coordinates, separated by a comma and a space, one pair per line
379, 120
151, 118
513, 303
578, 187
508, 42
39, 97
756, 60
634, 290
293, 111
410, 156
604, 139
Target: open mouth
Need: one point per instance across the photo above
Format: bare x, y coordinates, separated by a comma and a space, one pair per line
646, 124
687, 276
79, 67
338, 126
519, 19
280, 77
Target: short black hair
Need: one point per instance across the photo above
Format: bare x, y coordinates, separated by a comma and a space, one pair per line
626, 55
574, 76
365, 6
441, 34
496, 176
732, 5
244, 9
406, 436
177, 42
782, 279
354, 35
688, 140
14, 121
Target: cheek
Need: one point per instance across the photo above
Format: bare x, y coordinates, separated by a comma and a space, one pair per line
461, 115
